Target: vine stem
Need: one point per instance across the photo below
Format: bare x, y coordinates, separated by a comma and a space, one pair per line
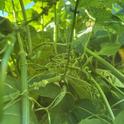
24, 83
23, 64
55, 34
71, 37
23, 68
3, 72
104, 99
26, 27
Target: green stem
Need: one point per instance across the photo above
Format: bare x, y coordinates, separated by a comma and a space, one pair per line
26, 27
3, 73
106, 64
104, 98
23, 68
71, 37
44, 82
24, 83
55, 29
49, 118
42, 16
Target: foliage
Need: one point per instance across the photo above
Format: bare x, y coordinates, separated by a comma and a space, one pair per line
61, 62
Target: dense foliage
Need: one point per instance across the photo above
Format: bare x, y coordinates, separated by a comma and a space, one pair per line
61, 61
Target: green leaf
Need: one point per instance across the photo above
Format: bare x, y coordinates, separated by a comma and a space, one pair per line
50, 91
119, 118
92, 121
82, 40
12, 114
102, 16
101, 33
82, 88
2, 4
59, 113
121, 38
109, 49
117, 9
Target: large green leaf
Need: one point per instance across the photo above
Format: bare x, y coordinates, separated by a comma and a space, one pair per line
119, 118
118, 11
12, 103
12, 114
109, 49
82, 88
121, 38
62, 112
92, 121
